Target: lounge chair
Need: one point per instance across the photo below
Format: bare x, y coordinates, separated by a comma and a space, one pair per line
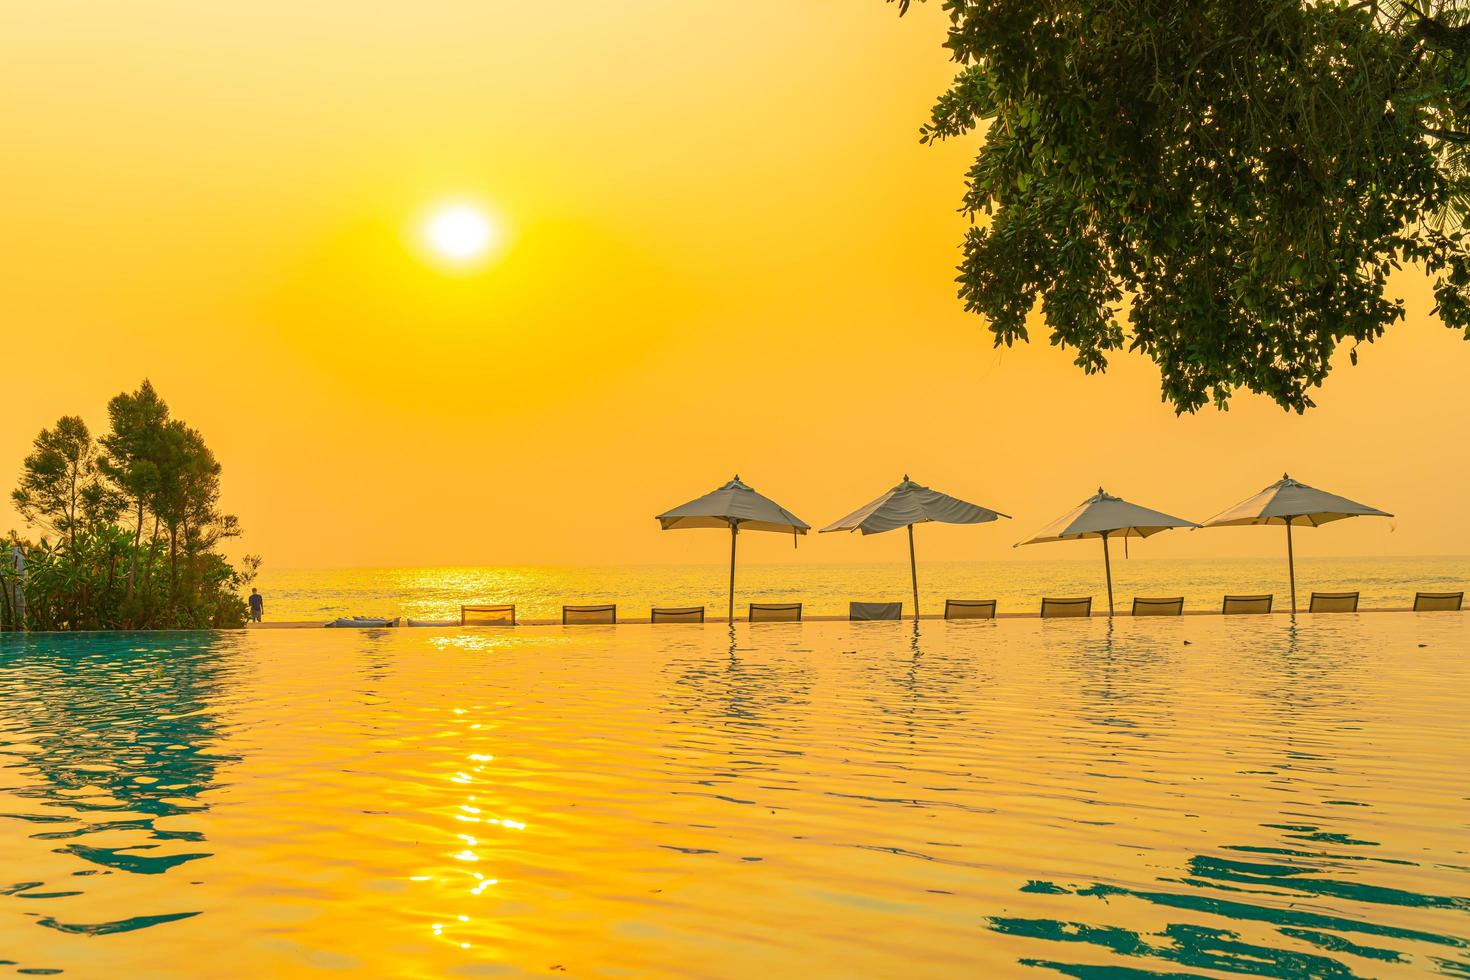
1158, 607
1246, 605
969, 608
1333, 602
504, 615
589, 615
1438, 601
867, 611
363, 622
1066, 608
677, 614
774, 612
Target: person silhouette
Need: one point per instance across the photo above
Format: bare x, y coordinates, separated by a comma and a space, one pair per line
257, 606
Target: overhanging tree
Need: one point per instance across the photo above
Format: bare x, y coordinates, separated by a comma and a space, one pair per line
1223, 186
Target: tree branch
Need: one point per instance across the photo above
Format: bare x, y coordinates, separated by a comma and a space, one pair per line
1438, 35
1447, 135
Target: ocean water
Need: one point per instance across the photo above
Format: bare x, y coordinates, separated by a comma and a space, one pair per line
540, 592
1141, 798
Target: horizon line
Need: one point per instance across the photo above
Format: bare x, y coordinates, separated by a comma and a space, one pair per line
854, 564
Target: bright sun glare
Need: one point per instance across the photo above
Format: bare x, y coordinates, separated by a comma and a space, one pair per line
460, 233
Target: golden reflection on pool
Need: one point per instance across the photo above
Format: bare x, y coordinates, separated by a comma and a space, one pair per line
1191, 797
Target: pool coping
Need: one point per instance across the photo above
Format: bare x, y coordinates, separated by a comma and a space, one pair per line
926, 617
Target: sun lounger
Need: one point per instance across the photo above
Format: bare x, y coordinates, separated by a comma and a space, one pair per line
676, 614
363, 622
589, 615
1333, 602
1438, 601
1158, 607
774, 612
1066, 608
1246, 605
504, 615
969, 608
869, 611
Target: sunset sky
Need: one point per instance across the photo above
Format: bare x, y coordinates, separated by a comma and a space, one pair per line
722, 249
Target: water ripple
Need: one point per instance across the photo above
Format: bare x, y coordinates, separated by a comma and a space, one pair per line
1078, 799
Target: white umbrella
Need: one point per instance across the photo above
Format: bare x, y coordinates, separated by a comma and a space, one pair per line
1288, 502
735, 506
906, 505
1105, 516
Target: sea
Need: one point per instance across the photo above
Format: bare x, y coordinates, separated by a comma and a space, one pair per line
539, 592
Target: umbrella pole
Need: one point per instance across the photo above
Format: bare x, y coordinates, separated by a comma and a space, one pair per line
914, 572
1291, 566
733, 531
1108, 566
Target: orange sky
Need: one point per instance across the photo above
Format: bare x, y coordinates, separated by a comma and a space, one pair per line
727, 251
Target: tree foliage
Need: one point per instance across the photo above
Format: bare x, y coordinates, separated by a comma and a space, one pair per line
60, 487
1223, 186
134, 526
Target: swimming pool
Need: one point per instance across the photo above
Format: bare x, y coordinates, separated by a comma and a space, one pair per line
1178, 797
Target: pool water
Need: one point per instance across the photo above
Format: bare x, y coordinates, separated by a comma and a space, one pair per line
1196, 797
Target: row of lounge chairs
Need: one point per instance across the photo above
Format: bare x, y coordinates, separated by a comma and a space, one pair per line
790, 612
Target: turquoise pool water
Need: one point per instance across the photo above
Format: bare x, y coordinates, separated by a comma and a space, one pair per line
1197, 797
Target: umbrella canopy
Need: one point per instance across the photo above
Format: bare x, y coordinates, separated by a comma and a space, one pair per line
1289, 502
908, 504
737, 507
731, 505
1106, 516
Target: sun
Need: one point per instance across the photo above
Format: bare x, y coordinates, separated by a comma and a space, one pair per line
461, 234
